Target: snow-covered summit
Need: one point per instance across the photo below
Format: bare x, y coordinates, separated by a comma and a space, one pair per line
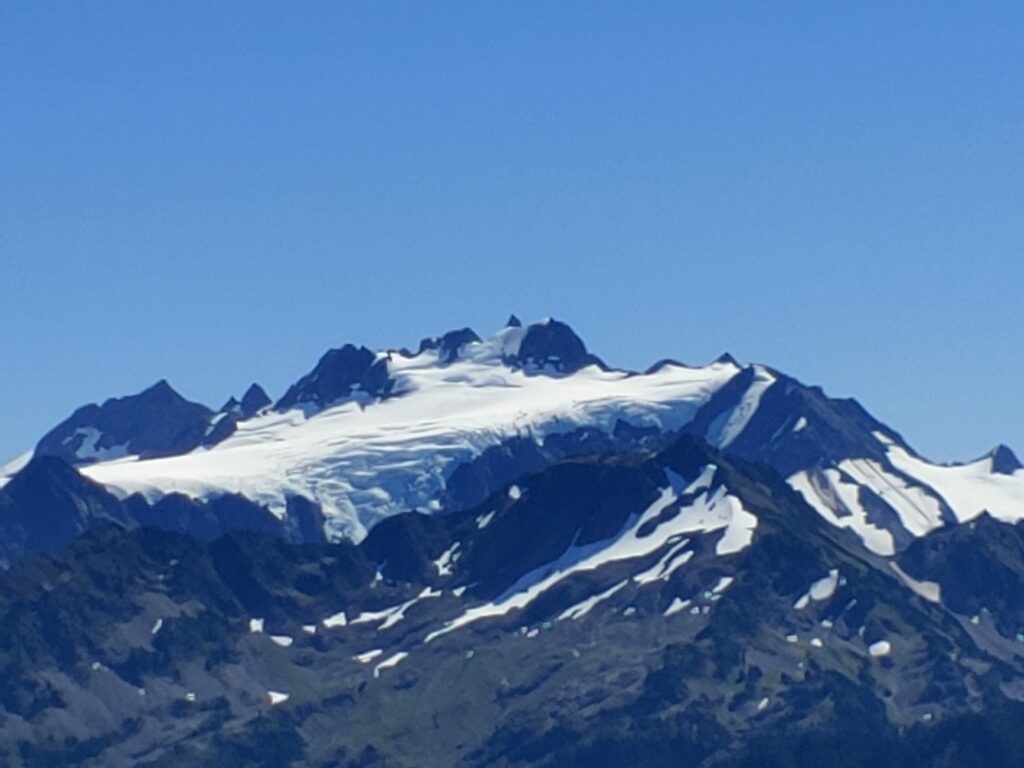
365, 454
368, 434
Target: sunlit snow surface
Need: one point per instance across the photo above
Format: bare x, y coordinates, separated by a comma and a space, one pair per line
966, 490
363, 462
711, 510
14, 466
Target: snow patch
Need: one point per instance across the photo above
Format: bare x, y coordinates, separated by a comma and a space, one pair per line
709, 512
820, 590
392, 661
729, 425
584, 607
366, 658
677, 606
447, 559
880, 648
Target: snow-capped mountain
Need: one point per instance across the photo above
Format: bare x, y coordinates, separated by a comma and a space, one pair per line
366, 435
503, 552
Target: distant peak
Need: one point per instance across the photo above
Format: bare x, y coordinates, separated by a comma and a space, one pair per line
231, 405
254, 399
553, 344
514, 322
161, 389
339, 374
448, 346
1004, 461
726, 359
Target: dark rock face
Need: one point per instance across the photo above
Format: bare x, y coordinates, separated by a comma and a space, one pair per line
48, 504
156, 422
341, 373
224, 423
1004, 461
254, 399
448, 346
979, 567
554, 346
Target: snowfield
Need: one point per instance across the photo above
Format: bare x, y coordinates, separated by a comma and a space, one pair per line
363, 462
363, 459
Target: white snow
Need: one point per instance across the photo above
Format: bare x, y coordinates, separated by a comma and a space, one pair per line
366, 658
484, 520
816, 642
820, 590
337, 620
825, 587
88, 451
677, 605
801, 424
762, 705
309, 629
255, 625
968, 489
365, 461
836, 500
729, 425
919, 511
710, 511
447, 559
157, 626
14, 466
670, 562
929, 590
723, 584
282, 640
584, 607
388, 617
514, 493
881, 648
392, 661
276, 697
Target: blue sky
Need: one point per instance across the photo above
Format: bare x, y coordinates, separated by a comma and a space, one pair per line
217, 193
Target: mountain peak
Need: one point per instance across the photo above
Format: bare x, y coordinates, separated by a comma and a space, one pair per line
254, 399
340, 373
449, 344
514, 322
1004, 461
162, 391
553, 344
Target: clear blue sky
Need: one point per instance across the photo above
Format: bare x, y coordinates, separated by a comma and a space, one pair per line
216, 193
